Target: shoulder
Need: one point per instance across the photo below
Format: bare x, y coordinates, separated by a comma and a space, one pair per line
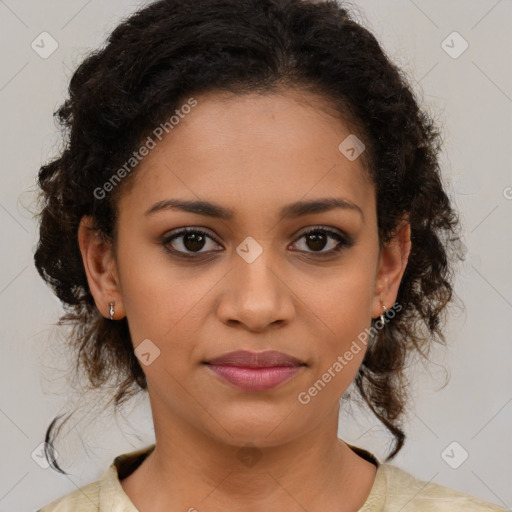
105, 493
83, 499
405, 491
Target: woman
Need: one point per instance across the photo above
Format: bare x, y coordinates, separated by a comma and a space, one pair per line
248, 216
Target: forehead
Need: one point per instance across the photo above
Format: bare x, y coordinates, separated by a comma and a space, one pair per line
269, 149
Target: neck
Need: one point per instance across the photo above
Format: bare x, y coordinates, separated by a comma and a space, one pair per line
190, 470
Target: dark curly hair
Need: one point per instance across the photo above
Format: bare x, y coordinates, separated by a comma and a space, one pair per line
172, 49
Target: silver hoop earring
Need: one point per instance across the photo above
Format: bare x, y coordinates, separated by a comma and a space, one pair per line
111, 312
382, 316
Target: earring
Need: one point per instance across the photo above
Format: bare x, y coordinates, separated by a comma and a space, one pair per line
111, 312
382, 316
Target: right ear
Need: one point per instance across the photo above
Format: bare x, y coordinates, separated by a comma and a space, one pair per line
100, 268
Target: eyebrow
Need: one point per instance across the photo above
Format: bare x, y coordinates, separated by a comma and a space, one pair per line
293, 210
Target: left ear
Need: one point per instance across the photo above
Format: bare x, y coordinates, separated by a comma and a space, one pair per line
392, 263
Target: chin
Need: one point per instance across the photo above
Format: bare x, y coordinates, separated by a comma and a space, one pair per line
262, 428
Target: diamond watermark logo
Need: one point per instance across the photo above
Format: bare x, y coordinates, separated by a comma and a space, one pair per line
454, 45
44, 45
351, 147
249, 249
39, 458
454, 455
147, 352
249, 455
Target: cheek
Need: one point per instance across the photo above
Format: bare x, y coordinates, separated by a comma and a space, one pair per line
163, 304
151, 300
342, 304
338, 358
343, 315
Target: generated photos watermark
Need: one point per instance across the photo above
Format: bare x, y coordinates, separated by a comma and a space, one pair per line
304, 397
144, 150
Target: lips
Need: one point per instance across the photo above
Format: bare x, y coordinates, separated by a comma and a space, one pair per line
255, 371
247, 359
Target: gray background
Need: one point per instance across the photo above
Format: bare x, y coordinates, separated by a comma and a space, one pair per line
470, 95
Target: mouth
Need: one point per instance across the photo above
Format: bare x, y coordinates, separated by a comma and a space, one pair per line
255, 371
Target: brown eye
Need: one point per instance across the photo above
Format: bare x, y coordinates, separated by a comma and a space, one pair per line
188, 241
319, 238
316, 240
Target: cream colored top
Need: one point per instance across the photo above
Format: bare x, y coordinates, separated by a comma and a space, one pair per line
393, 490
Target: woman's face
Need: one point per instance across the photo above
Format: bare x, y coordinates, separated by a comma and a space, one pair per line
248, 276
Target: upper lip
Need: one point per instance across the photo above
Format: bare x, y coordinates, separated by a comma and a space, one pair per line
248, 359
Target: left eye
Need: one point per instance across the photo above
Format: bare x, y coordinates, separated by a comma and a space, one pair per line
317, 239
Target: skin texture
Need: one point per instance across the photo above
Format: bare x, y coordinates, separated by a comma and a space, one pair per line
253, 154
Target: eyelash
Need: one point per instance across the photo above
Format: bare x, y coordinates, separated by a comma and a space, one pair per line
343, 241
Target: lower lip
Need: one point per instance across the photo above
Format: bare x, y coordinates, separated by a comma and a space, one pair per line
255, 379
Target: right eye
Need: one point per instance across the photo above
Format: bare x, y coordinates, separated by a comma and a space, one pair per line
190, 242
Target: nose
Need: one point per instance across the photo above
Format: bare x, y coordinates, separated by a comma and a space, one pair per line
255, 296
